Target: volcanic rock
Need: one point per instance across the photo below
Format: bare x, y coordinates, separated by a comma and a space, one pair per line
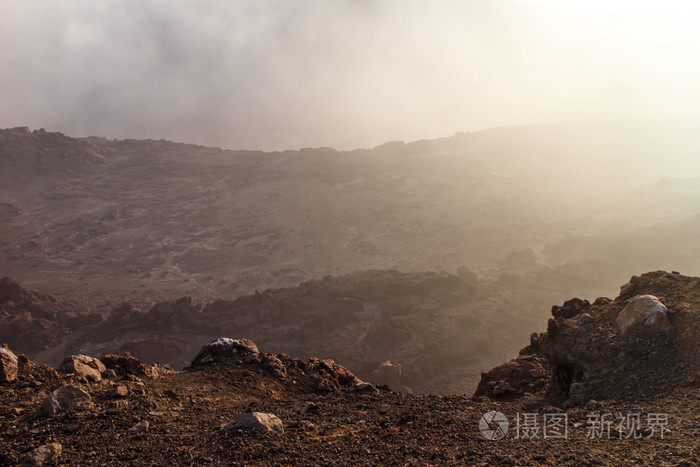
330, 375
526, 373
274, 366
119, 391
8, 365
65, 398
571, 308
644, 316
224, 347
127, 364
258, 421
83, 366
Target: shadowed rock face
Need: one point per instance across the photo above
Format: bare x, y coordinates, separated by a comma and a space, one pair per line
631, 347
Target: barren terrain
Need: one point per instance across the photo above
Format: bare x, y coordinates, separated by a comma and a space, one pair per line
529, 215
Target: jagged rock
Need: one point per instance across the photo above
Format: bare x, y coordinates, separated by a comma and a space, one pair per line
8, 365
119, 391
571, 308
83, 366
258, 421
644, 316
526, 373
224, 347
330, 375
274, 366
140, 427
67, 397
127, 364
534, 347
43, 454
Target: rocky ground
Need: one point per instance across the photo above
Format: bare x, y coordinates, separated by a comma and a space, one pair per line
120, 411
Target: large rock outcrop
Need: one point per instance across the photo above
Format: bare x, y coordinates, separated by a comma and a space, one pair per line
626, 347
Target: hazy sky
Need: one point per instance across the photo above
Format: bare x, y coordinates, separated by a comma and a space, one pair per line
275, 74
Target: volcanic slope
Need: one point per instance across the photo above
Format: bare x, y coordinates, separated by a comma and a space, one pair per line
329, 417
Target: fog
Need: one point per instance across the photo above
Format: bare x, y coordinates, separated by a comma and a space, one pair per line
288, 74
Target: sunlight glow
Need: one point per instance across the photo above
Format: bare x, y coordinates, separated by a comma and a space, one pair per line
618, 6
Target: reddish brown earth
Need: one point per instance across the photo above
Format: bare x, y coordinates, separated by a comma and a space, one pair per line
185, 410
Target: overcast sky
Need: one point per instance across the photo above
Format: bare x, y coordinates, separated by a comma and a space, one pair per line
276, 74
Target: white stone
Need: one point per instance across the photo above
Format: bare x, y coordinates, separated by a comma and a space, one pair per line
644, 316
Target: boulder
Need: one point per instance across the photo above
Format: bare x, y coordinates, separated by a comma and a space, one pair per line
644, 316
83, 366
43, 454
224, 347
126, 364
8, 365
258, 421
67, 397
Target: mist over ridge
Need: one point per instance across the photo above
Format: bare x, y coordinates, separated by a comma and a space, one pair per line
275, 75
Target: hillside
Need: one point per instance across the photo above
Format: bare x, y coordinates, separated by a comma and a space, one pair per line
538, 213
328, 417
